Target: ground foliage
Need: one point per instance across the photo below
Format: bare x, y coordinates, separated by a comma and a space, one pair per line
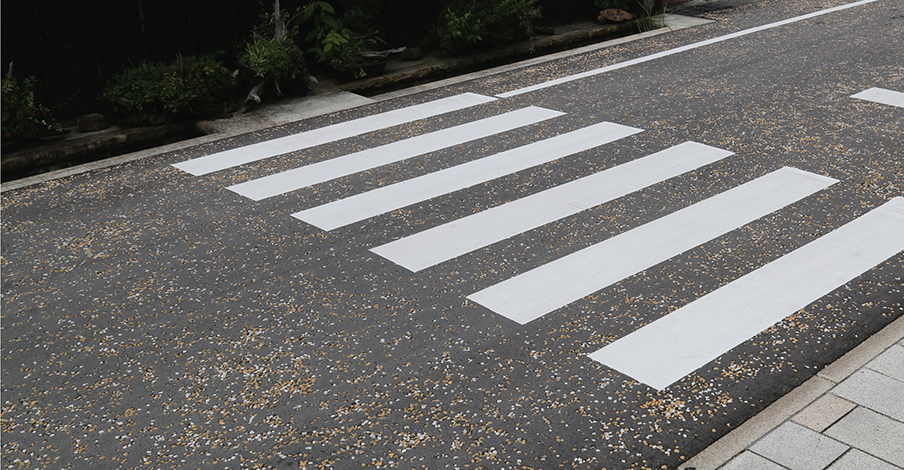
465, 24
23, 118
274, 58
156, 93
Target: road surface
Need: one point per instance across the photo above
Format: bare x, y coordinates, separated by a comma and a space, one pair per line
608, 260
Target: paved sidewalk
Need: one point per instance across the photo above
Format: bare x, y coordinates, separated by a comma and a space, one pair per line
849, 416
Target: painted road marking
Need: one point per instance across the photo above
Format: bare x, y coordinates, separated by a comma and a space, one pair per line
881, 95
326, 170
640, 60
362, 206
544, 289
664, 351
259, 151
445, 242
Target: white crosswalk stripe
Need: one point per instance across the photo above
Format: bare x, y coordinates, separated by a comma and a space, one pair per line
681, 342
442, 243
883, 96
542, 290
362, 206
303, 140
326, 170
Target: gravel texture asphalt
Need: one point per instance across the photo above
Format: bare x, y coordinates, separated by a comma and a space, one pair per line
155, 319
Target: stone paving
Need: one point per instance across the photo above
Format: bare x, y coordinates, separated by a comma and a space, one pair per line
858, 423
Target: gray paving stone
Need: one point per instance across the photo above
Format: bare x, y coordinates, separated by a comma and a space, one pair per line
824, 412
799, 448
749, 461
875, 391
864, 352
890, 363
858, 460
873, 433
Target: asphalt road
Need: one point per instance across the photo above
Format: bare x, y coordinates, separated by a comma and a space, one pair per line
727, 227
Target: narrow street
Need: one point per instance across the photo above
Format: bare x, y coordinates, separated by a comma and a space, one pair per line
608, 260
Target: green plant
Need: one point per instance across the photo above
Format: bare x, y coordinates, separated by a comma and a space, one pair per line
23, 118
327, 34
274, 58
152, 93
466, 23
650, 19
459, 30
509, 20
278, 60
267, 24
347, 59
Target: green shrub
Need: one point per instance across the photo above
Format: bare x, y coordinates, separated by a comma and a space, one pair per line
266, 25
23, 118
330, 39
509, 20
187, 87
327, 34
466, 23
459, 30
347, 61
273, 58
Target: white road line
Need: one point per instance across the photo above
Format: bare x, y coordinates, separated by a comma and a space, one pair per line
442, 243
676, 50
259, 151
881, 95
681, 342
541, 290
362, 206
326, 170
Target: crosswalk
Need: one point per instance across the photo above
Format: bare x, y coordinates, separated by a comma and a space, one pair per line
756, 300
